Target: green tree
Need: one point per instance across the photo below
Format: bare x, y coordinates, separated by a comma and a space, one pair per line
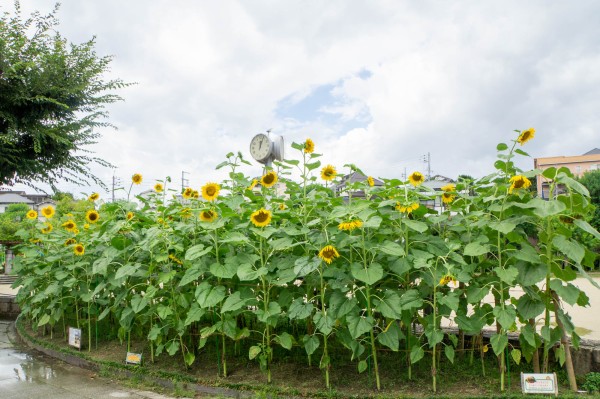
10, 221
591, 180
53, 97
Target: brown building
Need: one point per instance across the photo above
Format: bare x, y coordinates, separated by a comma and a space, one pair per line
578, 165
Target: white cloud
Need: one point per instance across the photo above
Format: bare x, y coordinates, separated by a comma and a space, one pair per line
452, 79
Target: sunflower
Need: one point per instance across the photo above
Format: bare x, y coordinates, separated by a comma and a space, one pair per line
328, 173
269, 179
195, 194
371, 181
208, 215
447, 196
158, 187
79, 249
92, 216
407, 208
187, 193
416, 179
93, 197
309, 146
328, 254
485, 348
526, 135
447, 279
129, 215
31, 214
282, 207
175, 259
253, 184
261, 218
519, 182
70, 225
86, 226
136, 178
70, 241
47, 229
48, 211
351, 225
210, 191
185, 213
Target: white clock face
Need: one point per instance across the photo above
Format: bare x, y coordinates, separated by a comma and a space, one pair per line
260, 147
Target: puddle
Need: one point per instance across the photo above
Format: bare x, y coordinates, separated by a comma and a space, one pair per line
22, 367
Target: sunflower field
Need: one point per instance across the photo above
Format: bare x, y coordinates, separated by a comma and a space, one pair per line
279, 263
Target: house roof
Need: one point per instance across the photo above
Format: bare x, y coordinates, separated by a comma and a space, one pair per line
595, 151
12, 198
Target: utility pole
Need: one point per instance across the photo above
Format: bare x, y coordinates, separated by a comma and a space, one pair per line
115, 181
184, 182
404, 174
427, 160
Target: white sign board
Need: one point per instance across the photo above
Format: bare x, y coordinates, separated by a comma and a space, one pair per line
75, 337
539, 383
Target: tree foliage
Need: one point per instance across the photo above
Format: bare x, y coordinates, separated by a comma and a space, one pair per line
53, 97
10, 221
591, 180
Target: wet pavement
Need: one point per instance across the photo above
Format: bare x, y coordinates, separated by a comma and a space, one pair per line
25, 375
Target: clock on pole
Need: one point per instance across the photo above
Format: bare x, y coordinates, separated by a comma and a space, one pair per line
265, 148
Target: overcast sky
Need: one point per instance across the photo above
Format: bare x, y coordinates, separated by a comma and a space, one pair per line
376, 83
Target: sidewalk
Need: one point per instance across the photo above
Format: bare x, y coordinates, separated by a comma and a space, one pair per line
23, 376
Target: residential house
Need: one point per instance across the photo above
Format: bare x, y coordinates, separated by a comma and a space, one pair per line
578, 165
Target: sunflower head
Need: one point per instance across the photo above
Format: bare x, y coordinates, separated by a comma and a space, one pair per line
48, 211
526, 135
261, 218
136, 178
282, 207
416, 178
370, 181
79, 249
253, 184
188, 193
208, 215
269, 179
447, 195
351, 225
70, 225
31, 214
93, 197
210, 191
309, 146
519, 182
92, 216
70, 241
195, 194
185, 213
86, 226
129, 215
175, 259
158, 187
448, 278
47, 228
328, 173
328, 254
407, 208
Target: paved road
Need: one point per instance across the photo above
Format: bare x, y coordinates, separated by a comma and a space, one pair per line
23, 376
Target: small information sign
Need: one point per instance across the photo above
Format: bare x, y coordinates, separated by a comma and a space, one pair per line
539, 383
75, 337
133, 358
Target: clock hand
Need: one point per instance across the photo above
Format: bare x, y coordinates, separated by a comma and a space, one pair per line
260, 144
